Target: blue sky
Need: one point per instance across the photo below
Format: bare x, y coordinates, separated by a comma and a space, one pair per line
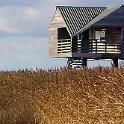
24, 32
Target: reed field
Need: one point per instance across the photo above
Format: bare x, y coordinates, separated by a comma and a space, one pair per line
62, 96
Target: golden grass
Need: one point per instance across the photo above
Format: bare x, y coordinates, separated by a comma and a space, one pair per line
62, 96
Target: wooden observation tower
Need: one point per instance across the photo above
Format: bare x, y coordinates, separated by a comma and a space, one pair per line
81, 33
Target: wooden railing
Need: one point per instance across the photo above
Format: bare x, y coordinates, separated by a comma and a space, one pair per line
105, 47
64, 46
96, 46
88, 46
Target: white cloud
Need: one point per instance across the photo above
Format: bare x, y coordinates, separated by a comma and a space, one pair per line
21, 20
30, 13
6, 26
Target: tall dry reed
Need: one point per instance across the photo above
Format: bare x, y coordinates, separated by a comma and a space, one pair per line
62, 96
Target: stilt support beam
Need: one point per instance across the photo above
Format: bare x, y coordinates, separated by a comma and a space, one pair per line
84, 62
115, 62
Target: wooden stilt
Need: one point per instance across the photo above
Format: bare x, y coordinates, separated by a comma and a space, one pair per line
84, 62
115, 62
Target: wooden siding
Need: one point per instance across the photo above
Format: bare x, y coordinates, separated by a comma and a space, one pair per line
115, 19
112, 34
57, 22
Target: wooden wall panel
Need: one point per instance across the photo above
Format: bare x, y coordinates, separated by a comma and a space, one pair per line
57, 22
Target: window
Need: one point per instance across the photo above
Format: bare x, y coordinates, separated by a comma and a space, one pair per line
100, 35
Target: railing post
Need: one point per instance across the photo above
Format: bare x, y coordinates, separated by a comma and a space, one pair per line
122, 42
96, 45
91, 45
122, 47
105, 46
84, 62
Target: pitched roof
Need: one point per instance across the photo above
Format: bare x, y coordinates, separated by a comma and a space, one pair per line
77, 17
103, 14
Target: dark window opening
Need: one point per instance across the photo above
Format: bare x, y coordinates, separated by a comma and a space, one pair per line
63, 33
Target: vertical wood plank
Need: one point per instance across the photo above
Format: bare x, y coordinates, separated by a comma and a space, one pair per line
122, 43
